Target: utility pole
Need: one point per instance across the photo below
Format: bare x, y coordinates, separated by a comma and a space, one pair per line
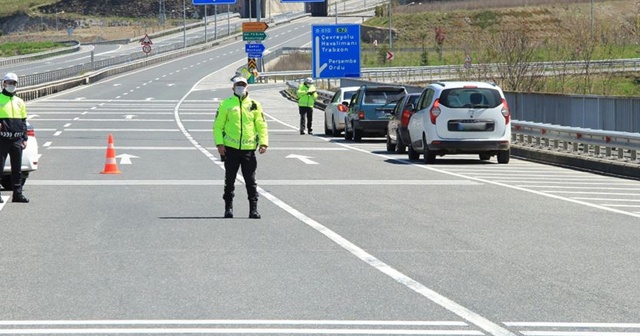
184, 23
205, 24
162, 16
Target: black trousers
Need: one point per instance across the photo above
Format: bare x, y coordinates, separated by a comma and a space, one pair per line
240, 159
13, 147
306, 113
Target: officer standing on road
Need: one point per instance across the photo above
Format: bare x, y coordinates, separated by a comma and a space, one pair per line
13, 133
239, 129
307, 95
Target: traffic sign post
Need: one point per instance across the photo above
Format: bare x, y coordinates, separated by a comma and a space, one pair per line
335, 51
389, 55
146, 48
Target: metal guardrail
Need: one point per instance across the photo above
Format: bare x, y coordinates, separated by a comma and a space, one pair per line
588, 143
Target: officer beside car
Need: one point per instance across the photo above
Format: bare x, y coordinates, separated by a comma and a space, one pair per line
307, 95
239, 129
13, 133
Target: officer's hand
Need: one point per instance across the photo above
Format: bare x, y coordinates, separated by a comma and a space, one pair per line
262, 149
24, 144
222, 150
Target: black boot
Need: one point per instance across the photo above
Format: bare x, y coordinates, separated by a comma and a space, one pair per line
228, 209
1, 200
19, 198
253, 210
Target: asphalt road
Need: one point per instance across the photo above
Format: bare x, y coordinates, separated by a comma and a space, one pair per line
352, 240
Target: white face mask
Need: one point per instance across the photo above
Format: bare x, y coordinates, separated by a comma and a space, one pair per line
10, 88
240, 90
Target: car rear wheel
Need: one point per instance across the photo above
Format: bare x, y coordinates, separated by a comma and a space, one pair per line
401, 148
347, 133
391, 147
327, 130
429, 157
357, 135
503, 156
485, 156
413, 155
334, 129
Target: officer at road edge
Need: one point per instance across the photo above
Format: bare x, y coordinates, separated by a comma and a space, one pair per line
239, 129
13, 133
307, 95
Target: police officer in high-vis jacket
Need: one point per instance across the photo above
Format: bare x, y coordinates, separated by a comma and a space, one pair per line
307, 95
13, 133
239, 129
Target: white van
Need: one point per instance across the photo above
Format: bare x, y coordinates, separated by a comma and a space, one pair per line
460, 118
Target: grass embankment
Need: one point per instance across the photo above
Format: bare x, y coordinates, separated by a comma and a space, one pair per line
22, 48
9, 7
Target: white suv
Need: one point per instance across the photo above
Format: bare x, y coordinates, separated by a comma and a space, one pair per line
460, 118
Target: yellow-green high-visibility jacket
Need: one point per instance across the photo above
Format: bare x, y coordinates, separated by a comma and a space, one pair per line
240, 124
13, 117
304, 98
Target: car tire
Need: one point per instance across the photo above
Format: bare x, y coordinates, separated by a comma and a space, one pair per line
401, 148
413, 155
429, 156
334, 129
485, 156
327, 130
391, 147
357, 135
347, 133
503, 156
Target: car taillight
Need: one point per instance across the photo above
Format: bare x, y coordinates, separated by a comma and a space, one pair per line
361, 115
31, 132
505, 111
435, 111
342, 108
404, 120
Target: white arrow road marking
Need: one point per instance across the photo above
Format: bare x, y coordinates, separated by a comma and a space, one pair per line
171, 84
149, 99
117, 84
125, 159
129, 116
304, 159
80, 98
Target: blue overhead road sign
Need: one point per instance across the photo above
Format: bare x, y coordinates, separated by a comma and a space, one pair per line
335, 50
213, 2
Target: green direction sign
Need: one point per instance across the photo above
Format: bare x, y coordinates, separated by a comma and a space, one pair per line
254, 36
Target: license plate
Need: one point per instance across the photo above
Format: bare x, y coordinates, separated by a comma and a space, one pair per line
383, 114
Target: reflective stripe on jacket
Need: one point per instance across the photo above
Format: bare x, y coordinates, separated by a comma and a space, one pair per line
13, 117
239, 126
304, 98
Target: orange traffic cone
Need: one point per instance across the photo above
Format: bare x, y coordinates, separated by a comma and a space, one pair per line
110, 165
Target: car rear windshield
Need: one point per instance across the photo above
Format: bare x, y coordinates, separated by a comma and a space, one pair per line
470, 97
378, 96
348, 95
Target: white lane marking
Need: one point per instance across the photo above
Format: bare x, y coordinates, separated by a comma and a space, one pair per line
283, 331
66, 125
47, 144
57, 133
577, 187
551, 192
577, 333
621, 205
607, 199
573, 324
5, 199
304, 149
446, 303
262, 182
122, 130
236, 322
